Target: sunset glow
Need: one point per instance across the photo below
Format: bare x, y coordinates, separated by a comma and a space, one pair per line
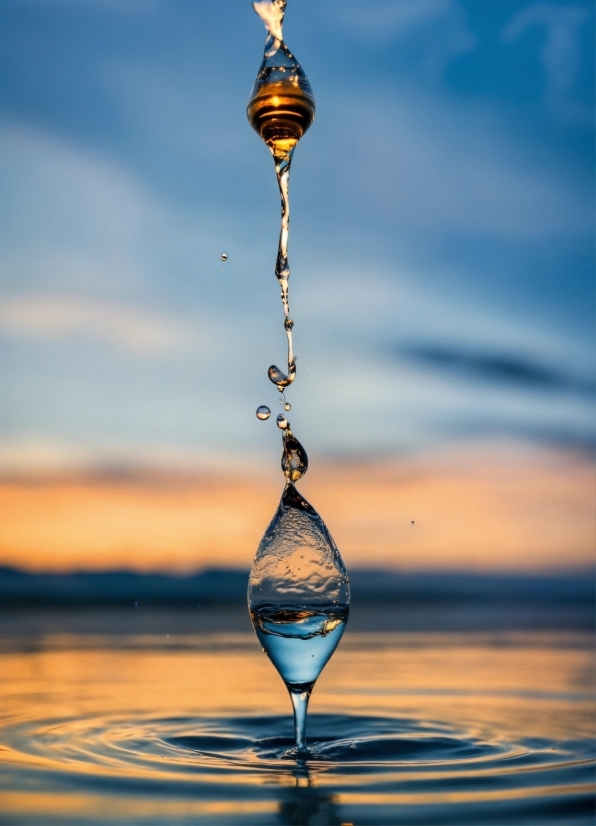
496, 509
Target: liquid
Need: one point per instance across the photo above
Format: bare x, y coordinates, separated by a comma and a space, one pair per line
103, 726
298, 589
297, 561
294, 460
281, 113
299, 641
280, 109
263, 412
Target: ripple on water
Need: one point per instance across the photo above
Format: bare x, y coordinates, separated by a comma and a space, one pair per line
358, 765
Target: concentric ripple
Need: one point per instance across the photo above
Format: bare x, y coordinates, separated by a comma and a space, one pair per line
359, 769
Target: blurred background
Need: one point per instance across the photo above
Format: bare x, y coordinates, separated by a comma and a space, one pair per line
442, 253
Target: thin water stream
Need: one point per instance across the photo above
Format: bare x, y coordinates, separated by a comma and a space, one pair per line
298, 579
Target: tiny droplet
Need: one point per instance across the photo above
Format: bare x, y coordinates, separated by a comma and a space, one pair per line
282, 422
263, 412
287, 406
224, 256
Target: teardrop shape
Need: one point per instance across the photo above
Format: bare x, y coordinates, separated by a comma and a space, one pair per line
294, 461
298, 592
281, 106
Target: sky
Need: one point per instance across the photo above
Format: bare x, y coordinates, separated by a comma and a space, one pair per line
441, 244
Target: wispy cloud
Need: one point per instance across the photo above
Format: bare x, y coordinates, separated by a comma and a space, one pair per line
130, 7
442, 170
435, 30
501, 368
561, 52
135, 329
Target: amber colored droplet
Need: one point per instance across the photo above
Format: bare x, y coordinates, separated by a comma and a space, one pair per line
294, 460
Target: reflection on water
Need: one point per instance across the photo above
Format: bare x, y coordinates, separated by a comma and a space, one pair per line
406, 728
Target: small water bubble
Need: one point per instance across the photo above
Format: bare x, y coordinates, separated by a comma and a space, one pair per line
224, 256
282, 422
280, 401
263, 412
287, 406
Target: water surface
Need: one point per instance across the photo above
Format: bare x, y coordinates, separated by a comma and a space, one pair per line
412, 728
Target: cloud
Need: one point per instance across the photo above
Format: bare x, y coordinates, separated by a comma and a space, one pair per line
32, 456
136, 330
444, 168
437, 30
130, 7
560, 55
500, 368
89, 249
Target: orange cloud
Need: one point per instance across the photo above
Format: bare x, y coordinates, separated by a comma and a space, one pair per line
499, 509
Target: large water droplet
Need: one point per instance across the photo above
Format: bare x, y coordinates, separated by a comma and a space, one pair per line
298, 592
263, 412
281, 106
224, 256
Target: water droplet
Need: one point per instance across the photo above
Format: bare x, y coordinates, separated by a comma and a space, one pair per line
294, 461
286, 607
287, 406
282, 422
281, 106
263, 412
280, 401
224, 256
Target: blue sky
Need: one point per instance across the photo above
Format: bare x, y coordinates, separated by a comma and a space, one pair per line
441, 244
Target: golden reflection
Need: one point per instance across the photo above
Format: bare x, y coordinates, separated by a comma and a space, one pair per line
74, 691
511, 681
